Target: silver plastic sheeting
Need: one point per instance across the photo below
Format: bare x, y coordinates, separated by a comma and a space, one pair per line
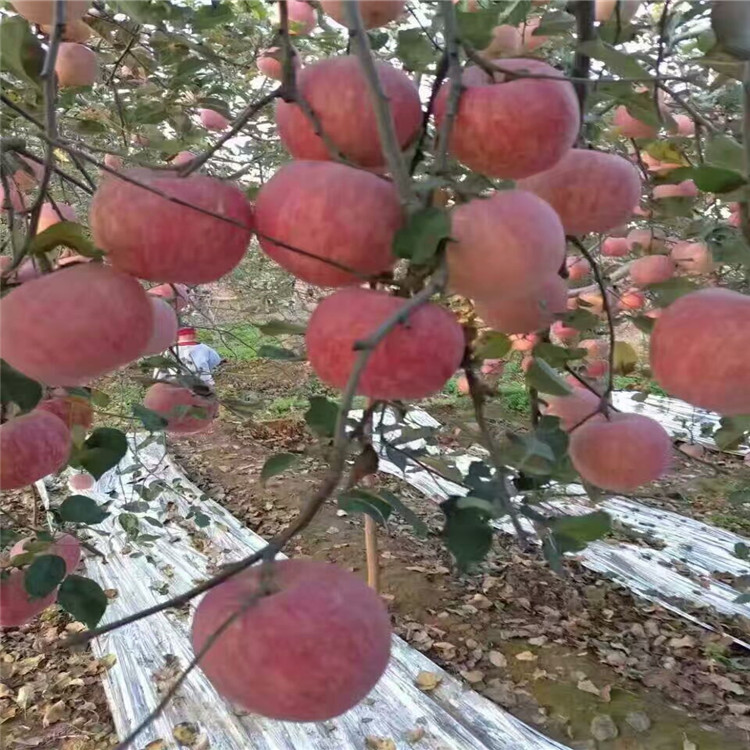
680, 571
452, 716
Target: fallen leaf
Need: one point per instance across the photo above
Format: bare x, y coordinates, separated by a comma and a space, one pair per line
526, 656
108, 661
5, 691
24, 696
186, 733
473, 676
603, 728
379, 743
686, 641
427, 680
588, 687
688, 745
727, 685
156, 745
413, 736
497, 659
53, 713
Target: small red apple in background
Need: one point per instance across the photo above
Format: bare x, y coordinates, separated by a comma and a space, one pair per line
374, 13
563, 332
352, 128
413, 361
177, 295
71, 409
593, 302
652, 269
492, 367
31, 447
28, 180
525, 312
597, 368
693, 258
650, 240
700, 350
301, 17
76, 324
76, 65
113, 161
595, 348
684, 189
212, 120
321, 639
153, 238
685, 125
620, 453
182, 158
74, 31
573, 408
65, 546
615, 247
301, 206
50, 215
167, 399
81, 482
503, 244
631, 300
524, 342
165, 326
657, 166
270, 63
17, 199
590, 190
513, 128
578, 267
16, 606
462, 385
43, 11
506, 42
628, 127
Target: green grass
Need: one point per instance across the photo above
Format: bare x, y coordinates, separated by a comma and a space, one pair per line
238, 342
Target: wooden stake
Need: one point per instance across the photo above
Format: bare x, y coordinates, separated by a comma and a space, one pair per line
371, 553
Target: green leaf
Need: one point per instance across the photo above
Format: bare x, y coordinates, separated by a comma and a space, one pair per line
276, 465
731, 432
542, 377
467, 533
150, 419
83, 599
8, 536
643, 323
742, 551
666, 292
556, 23
443, 468
208, 16
81, 509
419, 526
742, 599
43, 576
279, 328
729, 247
361, 501
419, 239
493, 345
15, 387
137, 506
130, 524
322, 415
278, 352
102, 450
20, 51
414, 50
580, 319
201, 519
476, 28
573, 533
730, 23
618, 62
557, 356
709, 179
723, 151
378, 39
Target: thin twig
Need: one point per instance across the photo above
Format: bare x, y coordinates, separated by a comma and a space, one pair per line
660, 56
606, 307
244, 117
440, 73
584, 13
694, 113
128, 47
360, 43
478, 400
450, 32
745, 204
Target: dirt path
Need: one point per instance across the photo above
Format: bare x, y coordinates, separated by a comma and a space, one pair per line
576, 656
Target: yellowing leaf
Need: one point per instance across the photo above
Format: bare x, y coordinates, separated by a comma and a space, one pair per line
427, 680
